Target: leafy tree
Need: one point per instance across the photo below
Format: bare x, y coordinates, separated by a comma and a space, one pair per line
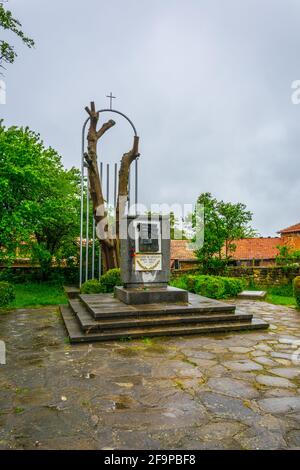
224, 222
39, 199
287, 256
8, 22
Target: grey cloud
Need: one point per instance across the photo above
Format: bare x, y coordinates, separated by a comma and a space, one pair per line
207, 83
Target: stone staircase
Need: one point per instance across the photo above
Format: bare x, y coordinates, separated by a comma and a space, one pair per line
102, 317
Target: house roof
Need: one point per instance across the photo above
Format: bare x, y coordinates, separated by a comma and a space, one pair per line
246, 249
180, 250
260, 248
291, 229
256, 248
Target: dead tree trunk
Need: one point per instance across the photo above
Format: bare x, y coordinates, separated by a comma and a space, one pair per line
110, 245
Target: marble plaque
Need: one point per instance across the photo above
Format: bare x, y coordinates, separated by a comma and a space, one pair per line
148, 262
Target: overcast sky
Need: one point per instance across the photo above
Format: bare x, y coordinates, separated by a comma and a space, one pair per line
206, 82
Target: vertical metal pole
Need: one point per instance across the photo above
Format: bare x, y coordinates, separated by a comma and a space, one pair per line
81, 229
93, 250
115, 185
100, 259
87, 233
129, 187
81, 209
107, 185
136, 185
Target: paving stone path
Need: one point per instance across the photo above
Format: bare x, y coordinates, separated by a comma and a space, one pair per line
233, 391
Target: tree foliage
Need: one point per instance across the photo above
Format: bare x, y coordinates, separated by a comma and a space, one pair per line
39, 199
288, 256
9, 23
224, 222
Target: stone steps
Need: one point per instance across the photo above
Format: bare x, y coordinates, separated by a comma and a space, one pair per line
103, 318
88, 323
77, 335
72, 292
106, 306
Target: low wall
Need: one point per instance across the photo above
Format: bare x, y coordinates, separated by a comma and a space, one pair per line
181, 272
265, 275
260, 275
20, 274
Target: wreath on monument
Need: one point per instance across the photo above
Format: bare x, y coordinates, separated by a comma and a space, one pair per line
148, 268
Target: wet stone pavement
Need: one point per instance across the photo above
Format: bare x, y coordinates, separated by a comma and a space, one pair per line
232, 391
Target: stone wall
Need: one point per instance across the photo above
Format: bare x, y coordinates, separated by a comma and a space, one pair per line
19, 274
265, 275
261, 275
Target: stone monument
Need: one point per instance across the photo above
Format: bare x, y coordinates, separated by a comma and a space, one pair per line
145, 305
145, 262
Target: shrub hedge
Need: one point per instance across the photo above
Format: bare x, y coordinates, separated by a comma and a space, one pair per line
105, 285
7, 293
214, 287
63, 275
111, 279
92, 286
296, 288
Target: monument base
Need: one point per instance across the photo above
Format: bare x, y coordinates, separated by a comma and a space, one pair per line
150, 295
102, 317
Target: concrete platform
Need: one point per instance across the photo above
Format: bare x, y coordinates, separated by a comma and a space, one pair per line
107, 306
252, 294
150, 295
101, 317
88, 323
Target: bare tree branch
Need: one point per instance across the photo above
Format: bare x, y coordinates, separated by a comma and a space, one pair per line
105, 128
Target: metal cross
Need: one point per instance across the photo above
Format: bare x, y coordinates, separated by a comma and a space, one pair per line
111, 97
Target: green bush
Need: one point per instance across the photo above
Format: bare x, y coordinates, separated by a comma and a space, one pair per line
106, 284
92, 286
233, 286
210, 286
110, 279
179, 282
296, 287
214, 287
7, 293
191, 282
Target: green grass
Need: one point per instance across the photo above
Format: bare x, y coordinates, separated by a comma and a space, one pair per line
278, 295
36, 294
281, 300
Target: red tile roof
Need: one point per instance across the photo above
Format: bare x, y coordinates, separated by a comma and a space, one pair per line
256, 248
180, 250
291, 229
246, 249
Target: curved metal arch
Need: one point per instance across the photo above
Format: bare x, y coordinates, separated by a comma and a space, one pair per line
82, 184
109, 111
87, 120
